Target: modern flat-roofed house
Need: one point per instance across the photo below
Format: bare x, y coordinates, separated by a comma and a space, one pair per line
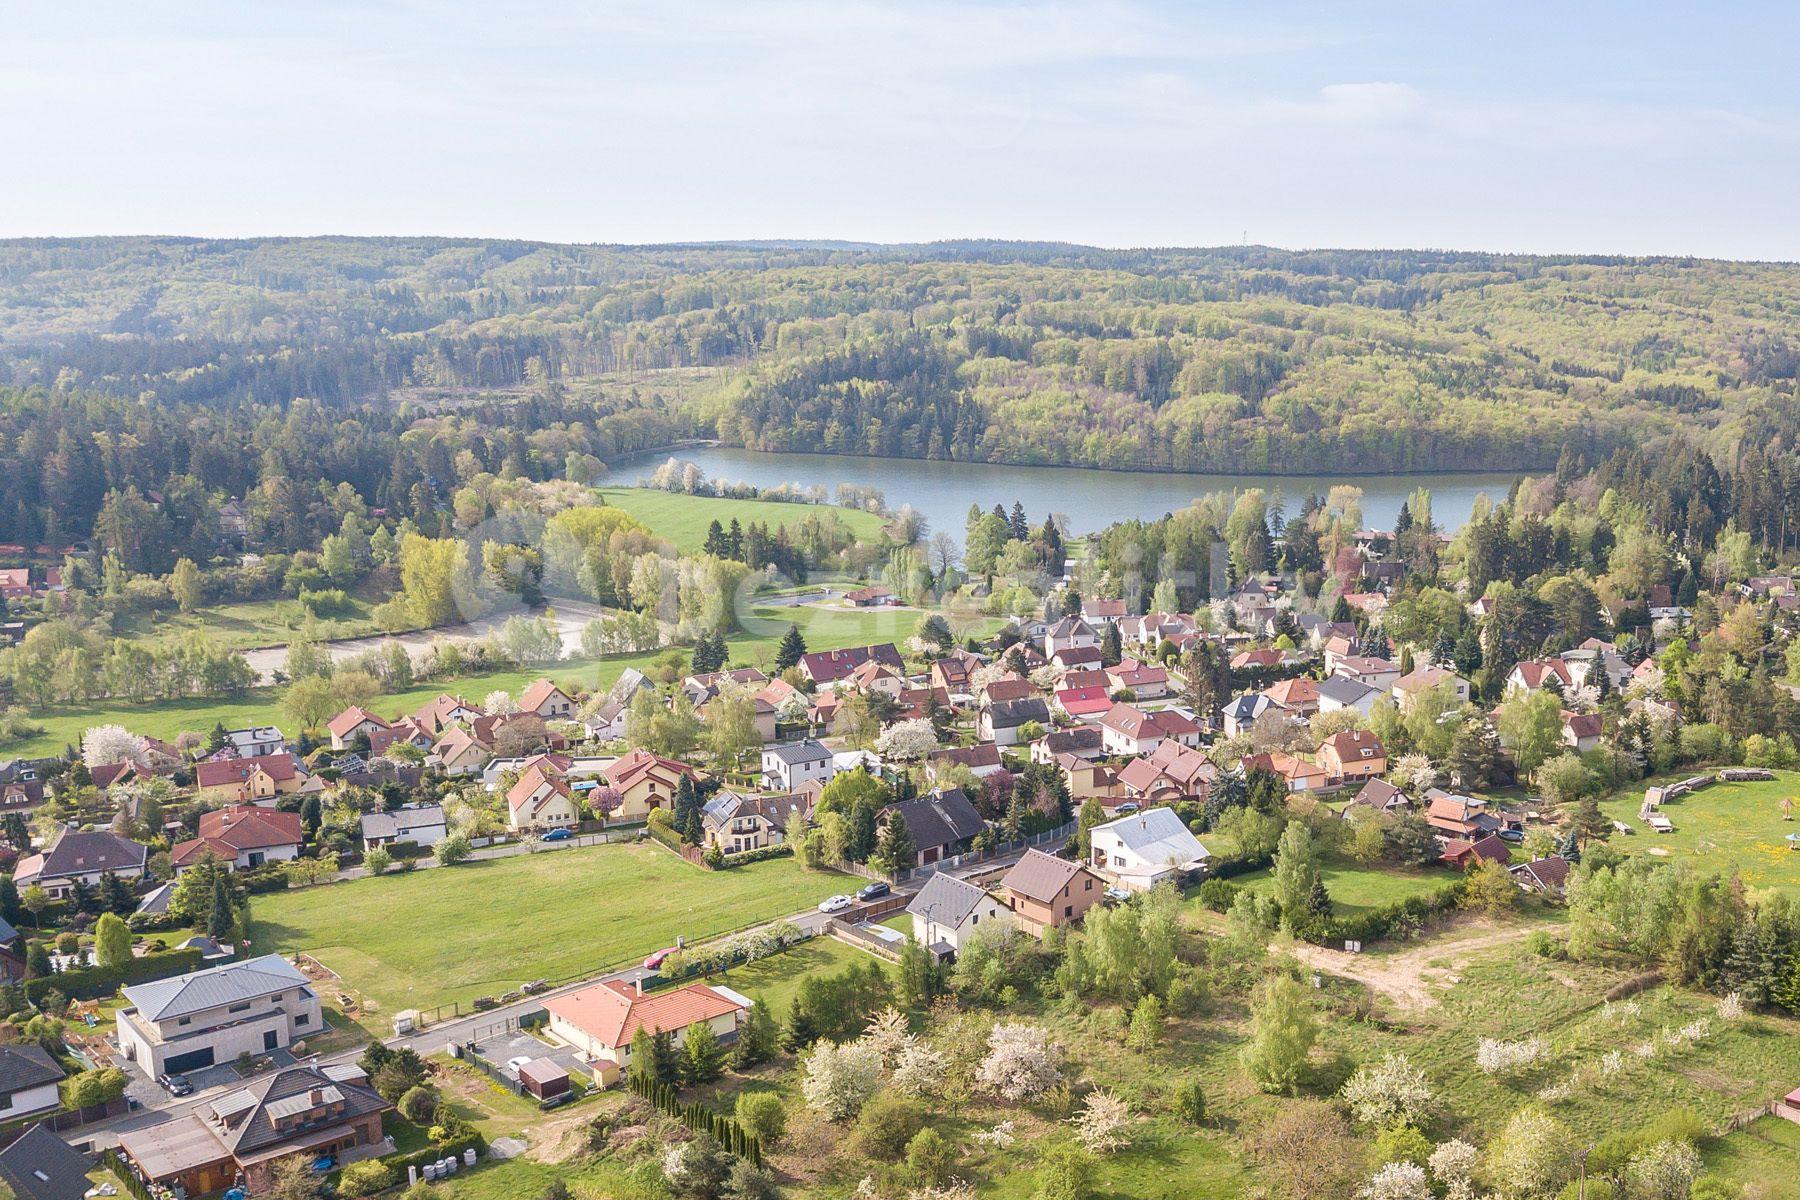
322, 1112
422, 825
242, 837
948, 910
1046, 892
28, 1079
1145, 848
789, 766
601, 1020
80, 857
211, 1016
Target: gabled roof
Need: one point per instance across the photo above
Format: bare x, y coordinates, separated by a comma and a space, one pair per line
197, 991
530, 787
401, 821
1294, 693
639, 763
341, 725
1381, 795
1010, 714
612, 1012
1079, 738
1156, 835
1070, 627
1354, 745
1342, 689
829, 666
25, 1065
946, 900
796, 754
540, 691
228, 832
981, 756
939, 818
90, 853
246, 1120
41, 1166
226, 771
1545, 874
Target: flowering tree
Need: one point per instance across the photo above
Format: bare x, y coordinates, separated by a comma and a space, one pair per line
919, 1069
1100, 1125
1453, 1165
1664, 1171
888, 1034
1397, 1181
839, 1080
1496, 1057
907, 741
1391, 1092
499, 702
105, 744
1021, 1064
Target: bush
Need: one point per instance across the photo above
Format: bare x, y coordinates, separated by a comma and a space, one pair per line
1190, 1102
1218, 894
763, 1116
418, 1105
93, 983
366, 1179
886, 1125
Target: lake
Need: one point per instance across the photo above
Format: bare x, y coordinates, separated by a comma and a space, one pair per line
1091, 499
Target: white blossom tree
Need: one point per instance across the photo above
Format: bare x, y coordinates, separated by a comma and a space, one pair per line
919, 1069
1022, 1063
498, 703
907, 741
1100, 1125
104, 744
1453, 1164
1664, 1171
888, 1034
1397, 1181
839, 1080
1390, 1092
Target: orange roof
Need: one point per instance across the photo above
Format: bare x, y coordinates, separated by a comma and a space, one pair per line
611, 1013
628, 770
534, 697
341, 725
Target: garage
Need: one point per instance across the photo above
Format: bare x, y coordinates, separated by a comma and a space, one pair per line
193, 1060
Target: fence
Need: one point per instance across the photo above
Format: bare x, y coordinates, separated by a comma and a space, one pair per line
862, 939
1060, 834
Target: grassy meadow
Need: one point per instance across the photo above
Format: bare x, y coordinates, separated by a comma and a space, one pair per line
1726, 827
683, 519
1356, 888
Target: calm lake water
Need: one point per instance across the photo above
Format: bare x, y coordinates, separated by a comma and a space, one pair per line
1091, 499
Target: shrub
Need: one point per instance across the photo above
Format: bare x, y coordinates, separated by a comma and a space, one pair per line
418, 1105
763, 1116
887, 1123
1218, 894
365, 1179
1190, 1102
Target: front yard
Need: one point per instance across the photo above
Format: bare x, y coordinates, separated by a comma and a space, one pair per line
451, 934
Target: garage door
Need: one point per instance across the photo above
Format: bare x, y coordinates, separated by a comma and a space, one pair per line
193, 1060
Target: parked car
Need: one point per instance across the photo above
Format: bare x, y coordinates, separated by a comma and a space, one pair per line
557, 835
513, 1064
1117, 894
836, 903
655, 961
1512, 835
175, 1085
874, 891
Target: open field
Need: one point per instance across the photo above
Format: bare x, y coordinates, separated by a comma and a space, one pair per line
252, 623
1767, 1151
683, 519
451, 934
1726, 827
1355, 888
775, 980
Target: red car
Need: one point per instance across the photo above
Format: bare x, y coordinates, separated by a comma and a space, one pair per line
655, 961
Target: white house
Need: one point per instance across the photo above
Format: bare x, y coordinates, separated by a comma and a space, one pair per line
1070, 633
788, 765
947, 910
1145, 848
1341, 691
212, 1016
421, 824
1128, 730
601, 1020
256, 741
28, 1079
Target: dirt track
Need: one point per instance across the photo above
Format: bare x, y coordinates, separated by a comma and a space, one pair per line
1411, 978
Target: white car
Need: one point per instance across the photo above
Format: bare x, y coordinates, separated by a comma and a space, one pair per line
513, 1064
836, 903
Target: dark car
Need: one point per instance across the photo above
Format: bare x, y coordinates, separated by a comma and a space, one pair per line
176, 1085
874, 891
558, 835
1512, 835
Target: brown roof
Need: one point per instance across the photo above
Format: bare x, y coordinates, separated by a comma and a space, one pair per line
533, 697
1040, 876
229, 832
341, 725
226, 771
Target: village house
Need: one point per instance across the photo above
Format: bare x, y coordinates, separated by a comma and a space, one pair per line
981, 760
827, 667
1379, 795
445, 712
873, 596
1102, 612
1003, 722
1300, 774
1462, 853
1141, 850
1046, 892
420, 825
1242, 712
321, 1111
546, 700
942, 823
80, 857
790, 766
1378, 673
876, 677
1128, 730
541, 800
1464, 817
954, 672
735, 823
1082, 741
28, 1079
255, 742
1545, 876
353, 723
1352, 756
1338, 692
257, 780
241, 837
1423, 679
1299, 696
644, 781
1085, 703
600, 1021
213, 1015
459, 751
1145, 681
1581, 731
41, 1166
1086, 777
1534, 675
1070, 633
948, 910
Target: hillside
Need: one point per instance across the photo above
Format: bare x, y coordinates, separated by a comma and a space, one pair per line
1239, 358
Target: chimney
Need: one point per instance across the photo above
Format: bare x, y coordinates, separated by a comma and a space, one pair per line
639, 984
315, 1097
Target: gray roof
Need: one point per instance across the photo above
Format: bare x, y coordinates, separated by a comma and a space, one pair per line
92, 853
1247, 705
795, 753
1344, 690
1156, 835
401, 820
156, 901
23, 1065
946, 900
939, 819
245, 1119
213, 987
1010, 714
41, 1166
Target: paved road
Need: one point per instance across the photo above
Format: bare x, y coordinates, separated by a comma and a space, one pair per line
442, 1035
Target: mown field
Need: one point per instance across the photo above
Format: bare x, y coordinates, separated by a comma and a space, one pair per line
683, 519
450, 934
1727, 827
250, 624
1356, 888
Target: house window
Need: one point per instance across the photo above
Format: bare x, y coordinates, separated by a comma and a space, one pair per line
238, 1008
1068, 910
303, 1019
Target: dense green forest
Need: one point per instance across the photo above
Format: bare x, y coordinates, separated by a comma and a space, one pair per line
151, 362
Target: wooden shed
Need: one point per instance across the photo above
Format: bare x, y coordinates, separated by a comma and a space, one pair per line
544, 1078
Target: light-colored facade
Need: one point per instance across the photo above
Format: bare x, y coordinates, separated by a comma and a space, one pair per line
212, 1016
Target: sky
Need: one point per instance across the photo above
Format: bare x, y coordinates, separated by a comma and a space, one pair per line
1583, 127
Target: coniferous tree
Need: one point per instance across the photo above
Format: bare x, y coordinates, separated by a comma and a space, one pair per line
791, 649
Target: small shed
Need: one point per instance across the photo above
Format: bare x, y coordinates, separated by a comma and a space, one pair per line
1788, 1107
544, 1078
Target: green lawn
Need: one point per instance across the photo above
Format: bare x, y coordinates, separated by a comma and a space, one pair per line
683, 519
1765, 1152
427, 938
1726, 827
1355, 888
775, 980
252, 623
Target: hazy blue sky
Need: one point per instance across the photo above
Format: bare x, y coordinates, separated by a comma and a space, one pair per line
1642, 127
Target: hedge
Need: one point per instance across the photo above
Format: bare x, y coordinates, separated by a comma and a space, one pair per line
699, 1118
1378, 923
1227, 868
453, 1148
97, 982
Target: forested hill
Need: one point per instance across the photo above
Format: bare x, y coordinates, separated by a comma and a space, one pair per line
1238, 358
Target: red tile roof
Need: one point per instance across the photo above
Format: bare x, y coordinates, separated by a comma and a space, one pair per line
611, 1013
